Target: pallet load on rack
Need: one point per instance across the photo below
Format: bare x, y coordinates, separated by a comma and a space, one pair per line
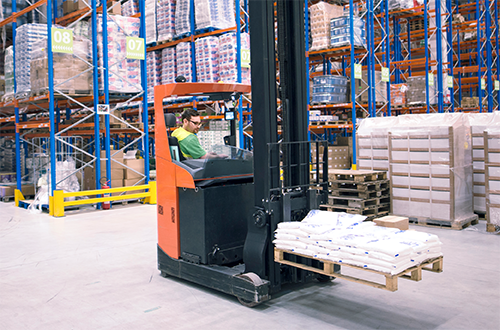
431, 169
492, 155
372, 141
168, 68
26, 36
340, 32
150, 11
380, 88
344, 240
479, 122
359, 192
130, 8
321, 14
183, 60
153, 68
182, 17
404, 4
398, 95
338, 157
217, 14
165, 20
228, 69
71, 74
330, 89
9, 73
416, 91
207, 59
124, 74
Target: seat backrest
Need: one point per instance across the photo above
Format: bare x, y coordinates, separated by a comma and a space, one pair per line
170, 120
175, 149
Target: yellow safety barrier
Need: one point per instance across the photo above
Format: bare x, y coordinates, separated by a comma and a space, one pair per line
57, 203
18, 196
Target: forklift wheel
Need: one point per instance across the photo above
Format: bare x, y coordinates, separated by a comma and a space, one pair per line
324, 278
163, 274
256, 280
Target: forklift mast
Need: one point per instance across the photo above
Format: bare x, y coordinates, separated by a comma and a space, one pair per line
284, 163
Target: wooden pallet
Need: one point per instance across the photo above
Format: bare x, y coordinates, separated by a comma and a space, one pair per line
356, 176
358, 203
481, 215
391, 281
370, 212
324, 123
360, 186
118, 126
456, 224
343, 192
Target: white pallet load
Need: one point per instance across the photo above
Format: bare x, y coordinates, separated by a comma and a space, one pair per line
207, 59
431, 169
165, 20
183, 61
150, 11
492, 158
26, 36
153, 65
182, 19
320, 14
9, 72
227, 58
124, 74
168, 67
218, 14
130, 8
479, 122
372, 143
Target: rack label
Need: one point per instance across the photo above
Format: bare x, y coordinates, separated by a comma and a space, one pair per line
450, 82
62, 41
135, 48
358, 71
103, 109
483, 84
431, 79
245, 58
385, 74
497, 85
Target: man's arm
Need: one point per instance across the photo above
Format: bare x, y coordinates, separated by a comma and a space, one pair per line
191, 146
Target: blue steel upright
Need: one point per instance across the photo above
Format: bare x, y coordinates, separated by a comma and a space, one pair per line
489, 61
238, 66
144, 83
353, 86
439, 55
105, 65
16, 108
51, 101
95, 82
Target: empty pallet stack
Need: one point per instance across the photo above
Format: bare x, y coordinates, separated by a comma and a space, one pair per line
431, 170
492, 171
359, 192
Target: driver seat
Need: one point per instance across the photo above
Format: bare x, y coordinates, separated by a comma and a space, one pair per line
175, 149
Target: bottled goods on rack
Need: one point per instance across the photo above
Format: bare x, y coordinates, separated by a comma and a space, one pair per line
26, 36
150, 11
182, 19
330, 89
71, 73
153, 67
168, 68
207, 59
184, 60
9, 72
340, 32
124, 74
130, 8
227, 58
165, 20
321, 14
218, 14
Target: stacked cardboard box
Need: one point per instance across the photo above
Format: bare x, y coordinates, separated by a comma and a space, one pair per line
398, 95
492, 155
338, 156
380, 88
416, 91
321, 14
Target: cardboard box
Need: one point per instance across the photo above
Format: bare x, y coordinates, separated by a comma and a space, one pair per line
135, 164
393, 221
68, 7
8, 191
80, 5
117, 9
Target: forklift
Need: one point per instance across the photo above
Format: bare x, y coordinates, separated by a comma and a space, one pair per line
217, 217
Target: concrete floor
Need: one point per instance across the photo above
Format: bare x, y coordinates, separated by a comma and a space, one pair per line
97, 270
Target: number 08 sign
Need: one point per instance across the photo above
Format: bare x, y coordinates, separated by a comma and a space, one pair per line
135, 48
62, 41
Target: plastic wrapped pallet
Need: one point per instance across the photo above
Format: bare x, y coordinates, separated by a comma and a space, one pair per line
124, 74
150, 10
228, 70
492, 158
71, 74
373, 143
431, 168
9, 72
130, 8
340, 32
479, 122
182, 19
416, 93
217, 14
165, 20
183, 60
153, 67
207, 59
168, 68
27, 35
330, 89
321, 14
380, 88
398, 95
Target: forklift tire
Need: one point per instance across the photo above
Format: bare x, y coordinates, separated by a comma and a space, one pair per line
324, 278
256, 280
164, 274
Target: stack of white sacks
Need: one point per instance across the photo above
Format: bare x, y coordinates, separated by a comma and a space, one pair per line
345, 239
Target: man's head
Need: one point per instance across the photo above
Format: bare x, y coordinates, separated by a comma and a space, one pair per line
191, 120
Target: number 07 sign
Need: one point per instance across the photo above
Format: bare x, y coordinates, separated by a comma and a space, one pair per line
135, 48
